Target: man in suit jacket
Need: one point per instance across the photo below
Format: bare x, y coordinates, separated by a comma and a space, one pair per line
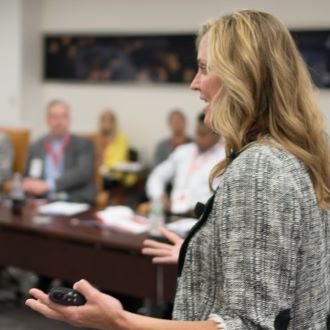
61, 165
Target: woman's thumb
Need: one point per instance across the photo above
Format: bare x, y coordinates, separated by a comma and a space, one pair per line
85, 288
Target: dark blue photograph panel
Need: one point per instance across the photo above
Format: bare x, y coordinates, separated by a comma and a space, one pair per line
168, 59
154, 58
315, 49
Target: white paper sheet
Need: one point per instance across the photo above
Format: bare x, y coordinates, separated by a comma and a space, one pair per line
122, 218
63, 208
182, 226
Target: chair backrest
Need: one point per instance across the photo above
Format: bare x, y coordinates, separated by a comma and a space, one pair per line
133, 155
19, 139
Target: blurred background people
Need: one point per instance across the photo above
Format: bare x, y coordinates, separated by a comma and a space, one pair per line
112, 150
187, 168
177, 125
60, 164
6, 158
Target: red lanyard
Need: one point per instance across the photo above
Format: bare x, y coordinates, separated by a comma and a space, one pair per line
198, 161
56, 156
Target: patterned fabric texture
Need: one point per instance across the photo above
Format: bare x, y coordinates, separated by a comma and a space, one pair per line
261, 258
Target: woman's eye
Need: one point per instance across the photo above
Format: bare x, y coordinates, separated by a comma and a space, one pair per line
202, 69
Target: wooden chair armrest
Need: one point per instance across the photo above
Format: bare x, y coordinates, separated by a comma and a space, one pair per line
6, 188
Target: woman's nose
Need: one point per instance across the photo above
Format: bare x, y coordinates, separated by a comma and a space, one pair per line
194, 85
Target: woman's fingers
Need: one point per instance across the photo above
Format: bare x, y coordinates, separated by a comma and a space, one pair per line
85, 288
43, 299
171, 236
154, 244
40, 307
155, 252
38, 294
164, 260
98, 310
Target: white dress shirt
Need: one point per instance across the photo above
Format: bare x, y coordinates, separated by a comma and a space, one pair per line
189, 171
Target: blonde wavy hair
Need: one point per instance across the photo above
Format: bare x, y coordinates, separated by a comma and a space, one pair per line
266, 91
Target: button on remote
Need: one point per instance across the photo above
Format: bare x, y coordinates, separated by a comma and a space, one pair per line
66, 296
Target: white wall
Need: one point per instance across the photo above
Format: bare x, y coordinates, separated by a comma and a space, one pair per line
10, 65
31, 90
169, 15
20, 59
142, 109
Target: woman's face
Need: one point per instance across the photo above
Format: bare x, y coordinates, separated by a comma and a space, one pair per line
204, 81
107, 124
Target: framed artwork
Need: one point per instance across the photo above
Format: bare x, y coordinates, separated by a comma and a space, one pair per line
138, 59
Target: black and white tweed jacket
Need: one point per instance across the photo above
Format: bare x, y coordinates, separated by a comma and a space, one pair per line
259, 257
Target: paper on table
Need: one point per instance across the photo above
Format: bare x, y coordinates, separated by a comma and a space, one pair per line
122, 218
182, 226
63, 208
128, 167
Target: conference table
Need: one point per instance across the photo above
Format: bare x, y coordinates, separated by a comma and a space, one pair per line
68, 249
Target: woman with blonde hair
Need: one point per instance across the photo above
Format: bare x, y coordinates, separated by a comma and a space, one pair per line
259, 256
112, 149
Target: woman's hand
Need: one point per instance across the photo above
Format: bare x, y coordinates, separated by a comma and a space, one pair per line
100, 311
164, 253
105, 313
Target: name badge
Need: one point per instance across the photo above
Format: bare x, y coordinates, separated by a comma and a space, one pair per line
180, 201
35, 170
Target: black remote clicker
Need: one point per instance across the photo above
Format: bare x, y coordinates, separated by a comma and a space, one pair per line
66, 296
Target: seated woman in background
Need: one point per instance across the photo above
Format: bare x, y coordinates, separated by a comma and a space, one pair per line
112, 149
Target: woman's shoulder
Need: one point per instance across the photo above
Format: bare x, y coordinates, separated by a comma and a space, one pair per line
268, 157
270, 164
269, 168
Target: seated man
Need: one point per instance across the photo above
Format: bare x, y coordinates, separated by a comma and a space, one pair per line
188, 168
177, 125
61, 165
6, 159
